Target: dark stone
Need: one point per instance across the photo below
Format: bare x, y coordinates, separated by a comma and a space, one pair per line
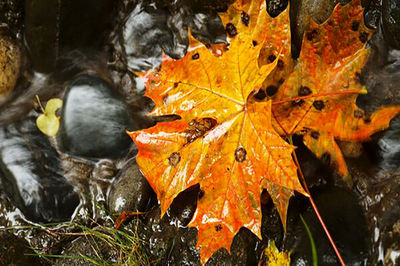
84, 24
32, 176
14, 251
391, 22
381, 75
386, 149
131, 191
163, 26
221, 258
146, 33
246, 248
208, 28
183, 207
275, 7
41, 33
94, 119
11, 13
168, 243
90, 246
344, 218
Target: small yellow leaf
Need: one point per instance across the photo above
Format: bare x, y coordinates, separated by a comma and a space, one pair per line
48, 122
273, 257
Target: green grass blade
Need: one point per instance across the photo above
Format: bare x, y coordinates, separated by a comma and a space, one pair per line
313, 248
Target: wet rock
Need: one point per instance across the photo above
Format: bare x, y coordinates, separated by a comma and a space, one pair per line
151, 28
372, 12
91, 247
94, 119
391, 22
31, 174
275, 7
181, 211
84, 24
343, 217
168, 243
41, 32
11, 13
381, 75
271, 225
131, 191
220, 257
169, 240
387, 148
14, 251
246, 248
10, 60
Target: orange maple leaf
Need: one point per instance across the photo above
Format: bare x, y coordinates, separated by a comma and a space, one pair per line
224, 140
323, 87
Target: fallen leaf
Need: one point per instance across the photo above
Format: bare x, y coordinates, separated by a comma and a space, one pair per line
229, 135
224, 140
274, 257
48, 122
318, 98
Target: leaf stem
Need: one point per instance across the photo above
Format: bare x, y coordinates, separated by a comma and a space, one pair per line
302, 179
324, 94
40, 104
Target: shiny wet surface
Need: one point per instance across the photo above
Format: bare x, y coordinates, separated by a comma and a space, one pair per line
87, 175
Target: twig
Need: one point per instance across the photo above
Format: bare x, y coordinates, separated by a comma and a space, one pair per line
302, 179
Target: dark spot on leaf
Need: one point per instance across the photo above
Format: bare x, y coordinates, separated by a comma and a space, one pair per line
304, 91
174, 159
240, 154
245, 18
198, 127
319, 105
326, 158
355, 25
310, 35
260, 95
231, 30
363, 37
218, 228
195, 56
280, 64
271, 58
201, 193
358, 113
280, 82
271, 90
298, 102
367, 120
176, 85
314, 135
255, 43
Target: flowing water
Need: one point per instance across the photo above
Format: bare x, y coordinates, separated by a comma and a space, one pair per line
85, 52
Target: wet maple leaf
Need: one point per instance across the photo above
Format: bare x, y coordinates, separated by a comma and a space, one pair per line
224, 140
324, 85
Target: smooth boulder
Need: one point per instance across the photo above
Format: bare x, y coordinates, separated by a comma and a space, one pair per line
94, 120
